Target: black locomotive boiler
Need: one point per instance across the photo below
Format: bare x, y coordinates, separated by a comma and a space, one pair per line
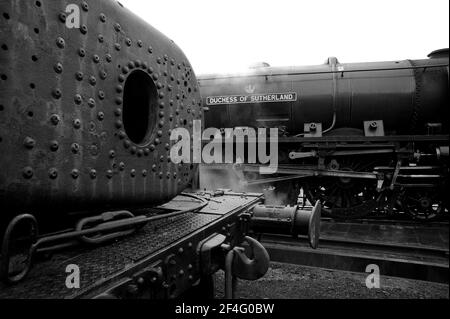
86, 110
360, 137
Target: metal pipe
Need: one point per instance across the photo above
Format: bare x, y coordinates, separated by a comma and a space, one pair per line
327, 72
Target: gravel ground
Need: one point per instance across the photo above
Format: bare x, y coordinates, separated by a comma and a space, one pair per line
286, 281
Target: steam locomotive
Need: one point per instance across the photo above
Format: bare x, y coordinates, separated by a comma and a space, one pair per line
89, 96
360, 137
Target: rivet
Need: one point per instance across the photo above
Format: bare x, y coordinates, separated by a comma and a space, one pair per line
146, 151
121, 166
82, 52
133, 173
145, 65
140, 152
154, 167
79, 76
181, 272
117, 46
53, 173
131, 65
121, 78
160, 175
108, 58
58, 67
161, 158
54, 146
144, 173
155, 76
78, 99
162, 104
119, 101
92, 80
101, 95
27, 172
96, 58
112, 154
57, 93
138, 63
139, 43
161, 123
117, 27
101, 38
159, 133
109, 174
191, 278
75, 148
150, 50
168, 175
161, 95
167, 146
159, 85
119, 88
84, 29
180, 250
128, 41
133, 150
85, 6
91, 103
54, 119
152, 147
150, 70
60, 42
93, 173
75, 173
102, 17
169, 88
118, 112
157, 141
62, 17
161, 114
158, 60
101, 116
103, 75
76, 123
29, 142
125, 70
122, 135
126, 143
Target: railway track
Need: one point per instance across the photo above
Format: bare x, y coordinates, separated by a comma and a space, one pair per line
400, 250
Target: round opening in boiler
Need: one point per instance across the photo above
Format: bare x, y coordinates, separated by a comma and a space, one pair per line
139, 106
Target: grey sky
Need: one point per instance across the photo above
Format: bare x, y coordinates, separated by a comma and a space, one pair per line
226, 36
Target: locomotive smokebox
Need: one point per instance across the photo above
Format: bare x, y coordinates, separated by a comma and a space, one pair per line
89, 94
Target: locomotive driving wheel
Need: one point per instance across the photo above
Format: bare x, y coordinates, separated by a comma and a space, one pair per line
344, 197
422, 204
